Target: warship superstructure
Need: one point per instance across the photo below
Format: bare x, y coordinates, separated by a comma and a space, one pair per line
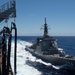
46, 48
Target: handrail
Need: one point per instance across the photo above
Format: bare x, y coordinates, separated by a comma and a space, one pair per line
8, 10
7, 6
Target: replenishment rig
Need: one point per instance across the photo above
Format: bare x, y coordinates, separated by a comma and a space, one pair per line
7, 10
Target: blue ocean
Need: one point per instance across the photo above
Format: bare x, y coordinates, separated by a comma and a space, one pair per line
27, 64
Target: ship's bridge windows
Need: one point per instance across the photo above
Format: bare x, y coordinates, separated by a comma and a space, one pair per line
53, 44
46, 44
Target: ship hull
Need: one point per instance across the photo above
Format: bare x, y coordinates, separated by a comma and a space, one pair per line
69, 63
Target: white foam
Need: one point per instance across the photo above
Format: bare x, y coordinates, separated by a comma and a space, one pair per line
60, 49
22, 55
22, 68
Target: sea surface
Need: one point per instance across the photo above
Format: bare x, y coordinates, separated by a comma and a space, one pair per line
27, 64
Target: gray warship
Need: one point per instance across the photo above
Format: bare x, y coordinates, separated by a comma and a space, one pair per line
47, 49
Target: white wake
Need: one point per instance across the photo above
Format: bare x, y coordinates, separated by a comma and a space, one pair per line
22, 67
22, 55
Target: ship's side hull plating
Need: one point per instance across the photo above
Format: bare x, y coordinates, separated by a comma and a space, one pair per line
54, 59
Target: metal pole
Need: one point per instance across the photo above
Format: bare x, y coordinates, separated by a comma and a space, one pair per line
9, 51
15, 50
3, 54
15, 45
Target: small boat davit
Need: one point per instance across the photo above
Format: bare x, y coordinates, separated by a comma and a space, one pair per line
46, 48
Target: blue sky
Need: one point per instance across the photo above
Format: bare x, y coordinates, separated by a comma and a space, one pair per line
60, 15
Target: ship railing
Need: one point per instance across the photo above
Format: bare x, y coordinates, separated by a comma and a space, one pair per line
7, 6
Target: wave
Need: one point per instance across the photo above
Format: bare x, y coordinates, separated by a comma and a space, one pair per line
28, 64
22, 67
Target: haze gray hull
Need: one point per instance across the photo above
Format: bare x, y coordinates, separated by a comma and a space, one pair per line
54, 59
46, 47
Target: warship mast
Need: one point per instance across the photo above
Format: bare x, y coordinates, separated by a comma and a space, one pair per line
45, 29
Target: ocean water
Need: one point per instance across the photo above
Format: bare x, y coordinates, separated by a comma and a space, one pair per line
27, 64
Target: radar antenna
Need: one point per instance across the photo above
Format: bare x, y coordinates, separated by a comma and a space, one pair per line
45, 28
